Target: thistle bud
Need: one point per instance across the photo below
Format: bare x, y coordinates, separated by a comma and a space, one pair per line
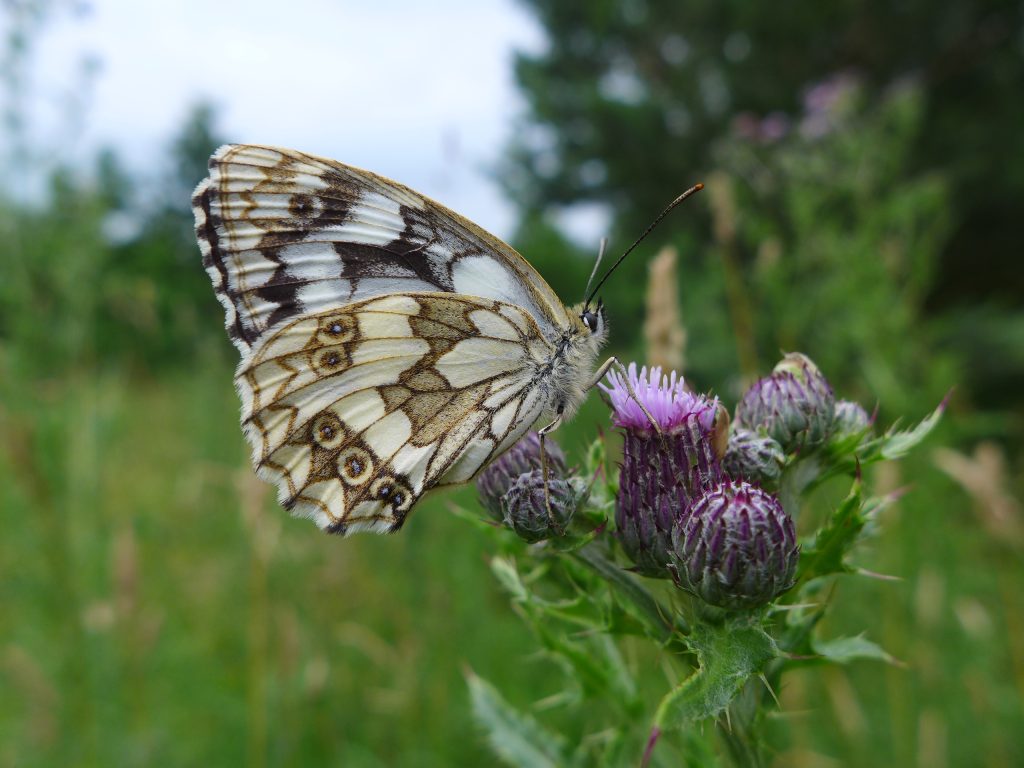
525, 510
754, 457
523, 457
663, 470
794, 405
737, 549
850, 418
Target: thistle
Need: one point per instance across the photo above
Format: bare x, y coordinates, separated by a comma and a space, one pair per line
737, 548
795, 405
523, 457
665, 469
754, 457
691, 503
525, 508
850, 418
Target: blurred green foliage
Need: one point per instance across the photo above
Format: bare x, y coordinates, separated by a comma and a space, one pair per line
157, 607
620, 77
630, 99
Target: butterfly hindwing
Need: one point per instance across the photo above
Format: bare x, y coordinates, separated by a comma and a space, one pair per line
286, 235
358, 411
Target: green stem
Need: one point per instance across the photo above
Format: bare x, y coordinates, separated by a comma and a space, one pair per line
658, 618
795, 480
740, 731
742, 751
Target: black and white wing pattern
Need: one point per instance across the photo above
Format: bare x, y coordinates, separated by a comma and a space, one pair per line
285, 234
389, 346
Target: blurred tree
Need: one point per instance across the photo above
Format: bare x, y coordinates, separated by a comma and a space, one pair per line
108, 251
629, 98
190, 153
157, 291
619, 78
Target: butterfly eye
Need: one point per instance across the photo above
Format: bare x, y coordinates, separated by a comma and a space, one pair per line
590, 320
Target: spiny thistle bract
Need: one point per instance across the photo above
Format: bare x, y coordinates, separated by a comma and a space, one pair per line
737, 549
523, 457
795, 405
664, 470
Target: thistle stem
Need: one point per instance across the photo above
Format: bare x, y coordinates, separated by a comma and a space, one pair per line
666, 622
739, 731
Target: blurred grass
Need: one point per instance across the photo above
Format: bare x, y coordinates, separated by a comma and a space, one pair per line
159, 608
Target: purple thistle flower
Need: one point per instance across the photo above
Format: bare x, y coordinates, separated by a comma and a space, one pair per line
665, 397
662, 474
737, 549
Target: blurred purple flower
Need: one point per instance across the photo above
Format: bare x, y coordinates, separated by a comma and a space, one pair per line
774, 127
827, 103
746, 125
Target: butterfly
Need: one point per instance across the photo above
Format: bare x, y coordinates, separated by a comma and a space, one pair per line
388, 345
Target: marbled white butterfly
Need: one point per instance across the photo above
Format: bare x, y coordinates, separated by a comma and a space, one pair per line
389, 346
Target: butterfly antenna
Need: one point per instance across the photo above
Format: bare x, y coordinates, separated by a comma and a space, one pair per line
600, 255
668, 209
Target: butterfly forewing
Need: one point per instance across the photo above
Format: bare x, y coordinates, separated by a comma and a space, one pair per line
356, 412
285, 234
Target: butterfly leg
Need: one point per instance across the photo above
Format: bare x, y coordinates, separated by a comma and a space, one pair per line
602, 371
543, 432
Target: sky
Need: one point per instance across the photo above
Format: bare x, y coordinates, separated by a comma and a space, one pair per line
421, 92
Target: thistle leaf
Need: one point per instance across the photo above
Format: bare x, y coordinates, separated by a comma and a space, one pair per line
826, 552
505, 571
843, 650
516, 737
727, 655
634, 597
847, 455
895, 444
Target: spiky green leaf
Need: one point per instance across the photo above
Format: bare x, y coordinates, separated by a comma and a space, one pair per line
727, 656
827, 551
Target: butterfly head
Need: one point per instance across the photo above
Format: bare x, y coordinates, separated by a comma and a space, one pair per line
594, 321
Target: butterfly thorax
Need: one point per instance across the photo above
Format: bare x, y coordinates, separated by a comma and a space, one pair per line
569, 370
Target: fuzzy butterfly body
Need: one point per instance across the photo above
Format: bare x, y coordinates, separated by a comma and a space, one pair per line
389, 346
